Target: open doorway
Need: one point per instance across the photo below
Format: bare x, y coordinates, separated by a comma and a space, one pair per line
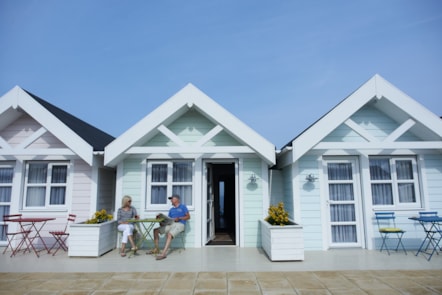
223, 189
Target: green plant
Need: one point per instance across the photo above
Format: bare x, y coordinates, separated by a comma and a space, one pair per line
100, 217
278, 215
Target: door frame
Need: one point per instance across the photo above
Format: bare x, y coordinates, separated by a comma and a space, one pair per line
205, 164
359, 213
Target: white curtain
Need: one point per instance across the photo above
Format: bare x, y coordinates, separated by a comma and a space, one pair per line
35, 195
58, 193
159, 192
182, 172
404, 171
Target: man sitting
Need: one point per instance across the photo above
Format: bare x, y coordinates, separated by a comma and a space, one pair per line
180, 214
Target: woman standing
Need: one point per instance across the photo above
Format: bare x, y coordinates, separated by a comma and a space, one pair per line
126, 212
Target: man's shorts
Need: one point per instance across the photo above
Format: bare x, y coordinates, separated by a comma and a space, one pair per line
174, 229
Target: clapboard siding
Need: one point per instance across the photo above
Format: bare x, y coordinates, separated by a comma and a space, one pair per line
131, 181
252, 196
106, 189
309, 195
433, 174
81, 190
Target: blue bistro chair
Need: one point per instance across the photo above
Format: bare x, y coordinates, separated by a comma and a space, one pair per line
433, 233
388, 230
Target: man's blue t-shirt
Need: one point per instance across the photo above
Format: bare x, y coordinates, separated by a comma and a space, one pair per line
179, 211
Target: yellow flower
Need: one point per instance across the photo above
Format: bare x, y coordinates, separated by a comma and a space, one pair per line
99, 217
277, 215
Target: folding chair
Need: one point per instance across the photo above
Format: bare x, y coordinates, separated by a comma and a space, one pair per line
62, 236
19, 237
387, 228
433, 232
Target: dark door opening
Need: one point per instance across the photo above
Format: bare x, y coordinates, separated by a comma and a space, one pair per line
224, 204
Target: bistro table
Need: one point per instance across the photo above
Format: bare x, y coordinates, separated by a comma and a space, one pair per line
144, 227
34, 225
433, 234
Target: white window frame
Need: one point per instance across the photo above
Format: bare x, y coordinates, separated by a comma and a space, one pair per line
48, 184
4, 203
169, 183
395, 182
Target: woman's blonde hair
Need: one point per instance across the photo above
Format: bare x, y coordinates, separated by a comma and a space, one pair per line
125, 200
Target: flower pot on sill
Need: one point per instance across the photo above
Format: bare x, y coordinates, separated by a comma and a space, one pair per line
282, 243
92, 240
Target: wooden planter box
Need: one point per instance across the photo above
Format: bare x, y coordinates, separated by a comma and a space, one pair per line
92, 240
282, 243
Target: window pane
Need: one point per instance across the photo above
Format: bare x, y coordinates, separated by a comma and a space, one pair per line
159, 173
182, 172
6, 175
345, 212
406, 193
344, 234
341, 192
404, 169
185, 193
4, 210
158, 194
380, 169
37, 173
35, 196
5, 194
59, 174
339, 171
57, 196
382, 194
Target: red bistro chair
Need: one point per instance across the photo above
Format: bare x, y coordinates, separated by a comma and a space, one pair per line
62, 236
18, 237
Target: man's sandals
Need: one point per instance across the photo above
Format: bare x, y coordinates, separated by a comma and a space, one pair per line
154, 251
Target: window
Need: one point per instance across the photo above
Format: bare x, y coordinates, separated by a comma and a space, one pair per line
6, 177
45, 184
167, 178
394, 182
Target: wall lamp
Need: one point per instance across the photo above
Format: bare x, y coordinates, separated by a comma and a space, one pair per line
311, 178
252, 178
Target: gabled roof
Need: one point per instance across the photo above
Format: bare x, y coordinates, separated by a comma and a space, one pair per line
187, 98
376, 89
79, 136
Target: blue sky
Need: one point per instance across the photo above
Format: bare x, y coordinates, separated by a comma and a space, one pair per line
276, 65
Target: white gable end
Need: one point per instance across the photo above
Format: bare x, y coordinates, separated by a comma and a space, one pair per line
413, 127
159, 124
17, 101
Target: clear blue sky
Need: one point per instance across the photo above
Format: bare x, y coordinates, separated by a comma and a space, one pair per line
276, 65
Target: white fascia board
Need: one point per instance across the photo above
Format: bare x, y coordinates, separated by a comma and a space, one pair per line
36, 152
409, 105
71, 139
334, 118
190, 150
422, 145
9, 100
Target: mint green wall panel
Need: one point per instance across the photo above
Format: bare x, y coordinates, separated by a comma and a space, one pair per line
131, 180
252, 199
